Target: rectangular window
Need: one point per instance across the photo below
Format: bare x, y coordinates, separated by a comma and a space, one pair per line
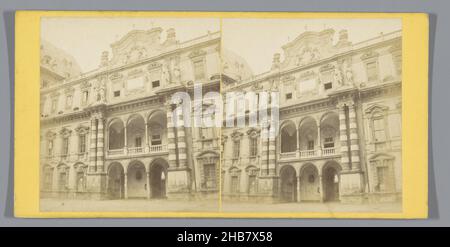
253, 146
199, 70
382, 176
209, 171
311, 145
82, 147
65, 148
50, 148
156, 140
117, 93
69, 101
234, 184
379, 131
62, 181
48, 179
85, 97
328, 142
54, 105
372, 71
288, 96
328, 85
138, 142
236, 149
155, 84
252, 184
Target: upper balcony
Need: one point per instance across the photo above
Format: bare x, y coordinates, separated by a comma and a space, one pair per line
137, 135
310, 140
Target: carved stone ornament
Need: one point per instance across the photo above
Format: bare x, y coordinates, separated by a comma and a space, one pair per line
82, 130
65, 132
197, 53
50, 135
369, 54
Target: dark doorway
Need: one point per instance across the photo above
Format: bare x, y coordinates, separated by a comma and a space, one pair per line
331, 184
157, 181
288, 184
115, 181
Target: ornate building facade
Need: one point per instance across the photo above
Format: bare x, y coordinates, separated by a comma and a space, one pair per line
339, 130
109, 133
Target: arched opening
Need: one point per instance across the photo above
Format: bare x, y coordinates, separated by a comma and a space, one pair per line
115, 188
330, 178
135, 134
309, 183
288, 179
116, 137
158, 178
329, 133
157, 127
136, 180
288, 137
308, 138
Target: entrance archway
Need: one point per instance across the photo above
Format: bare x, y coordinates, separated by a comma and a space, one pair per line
309, 183
330, 178
288, 178
115, 188
158, 178
137, 180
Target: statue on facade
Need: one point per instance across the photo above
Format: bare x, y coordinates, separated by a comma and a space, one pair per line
100, 89
166, 74
338, 77
176, 71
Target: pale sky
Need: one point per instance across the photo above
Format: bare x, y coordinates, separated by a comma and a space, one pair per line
256, 40
86, 38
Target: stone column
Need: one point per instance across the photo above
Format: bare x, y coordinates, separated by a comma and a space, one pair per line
319, 141
125, 184
345, 161
322, 194
100, 146
125, 146
93, 146
148, 185
178, 174
298, 189
350, 184
147, 145
171, 147
354, 140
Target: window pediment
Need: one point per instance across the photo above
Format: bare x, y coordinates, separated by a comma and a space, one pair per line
374, 109
65, 132
369, 55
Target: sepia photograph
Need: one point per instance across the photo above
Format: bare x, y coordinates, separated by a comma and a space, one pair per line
220, 115
330, 139
112, 138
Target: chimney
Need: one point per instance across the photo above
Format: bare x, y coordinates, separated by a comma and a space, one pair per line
343, 39
343, 35
276, 61
171, 36
104, 59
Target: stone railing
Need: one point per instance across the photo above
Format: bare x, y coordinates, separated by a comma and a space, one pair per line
305, 154
152, 149
328, 151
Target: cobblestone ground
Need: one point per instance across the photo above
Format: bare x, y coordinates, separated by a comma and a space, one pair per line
62, 205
